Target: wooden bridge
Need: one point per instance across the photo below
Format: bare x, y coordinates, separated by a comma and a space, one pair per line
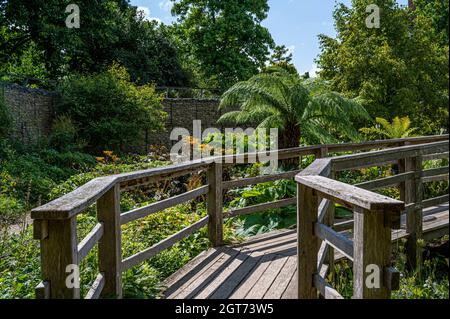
282, 264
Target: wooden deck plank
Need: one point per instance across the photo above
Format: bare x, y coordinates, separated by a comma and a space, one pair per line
227, 272
194, 285
189, 270
231, 283
283, 279
268, 277
248, 283
291, 291
264, 266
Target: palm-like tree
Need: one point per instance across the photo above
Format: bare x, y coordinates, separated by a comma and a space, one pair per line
399, 128
280, 99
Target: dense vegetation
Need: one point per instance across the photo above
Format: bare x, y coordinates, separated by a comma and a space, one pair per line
384, 83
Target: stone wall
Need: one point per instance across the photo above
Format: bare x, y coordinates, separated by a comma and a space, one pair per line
31, 111
183, 112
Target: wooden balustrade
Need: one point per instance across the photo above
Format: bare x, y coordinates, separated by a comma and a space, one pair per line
374, 218
55, 223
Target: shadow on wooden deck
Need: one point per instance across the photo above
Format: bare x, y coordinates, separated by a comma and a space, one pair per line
264, 267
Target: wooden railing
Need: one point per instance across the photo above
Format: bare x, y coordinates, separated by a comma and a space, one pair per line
55, 223
374, 218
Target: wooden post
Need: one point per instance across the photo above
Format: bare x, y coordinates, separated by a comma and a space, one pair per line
413, 193
308, 243
329, 221
58, 255
372, 254
109, 246
322, 152
215, 210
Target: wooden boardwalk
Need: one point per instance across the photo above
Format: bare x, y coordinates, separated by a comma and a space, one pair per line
264, 267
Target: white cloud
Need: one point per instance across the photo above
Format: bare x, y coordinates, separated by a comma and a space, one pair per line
314, 71
291, 49
145, 11
166, 5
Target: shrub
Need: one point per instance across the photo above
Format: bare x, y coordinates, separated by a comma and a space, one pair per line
109, 111
63, 136
10, 209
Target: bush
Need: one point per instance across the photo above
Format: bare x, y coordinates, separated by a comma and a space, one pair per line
10, 209
109, 111
63, 136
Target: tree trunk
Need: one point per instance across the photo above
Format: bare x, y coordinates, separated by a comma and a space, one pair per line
289, 138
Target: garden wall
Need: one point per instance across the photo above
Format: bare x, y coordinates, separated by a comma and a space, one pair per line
31, 111
183, 112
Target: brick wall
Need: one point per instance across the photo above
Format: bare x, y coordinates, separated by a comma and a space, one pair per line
31, 111
183, 112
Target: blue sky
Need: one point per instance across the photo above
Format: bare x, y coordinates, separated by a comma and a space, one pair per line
294, 23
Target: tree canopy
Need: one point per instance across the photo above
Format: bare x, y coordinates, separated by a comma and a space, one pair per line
34, 33
224, 40
280, 99
398, 69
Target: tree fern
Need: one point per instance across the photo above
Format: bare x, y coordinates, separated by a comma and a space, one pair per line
399, 128
280, 99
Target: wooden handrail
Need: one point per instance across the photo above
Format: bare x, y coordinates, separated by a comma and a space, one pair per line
75, 202
55, 222
374, 216
349, 195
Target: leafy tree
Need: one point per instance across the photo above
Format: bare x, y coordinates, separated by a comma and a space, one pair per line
110, 30
399, 128
110, 112
397, 69
438, 12
281, 54
224, 40
283, 100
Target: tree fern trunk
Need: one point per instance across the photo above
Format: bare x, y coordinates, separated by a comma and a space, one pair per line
289, 138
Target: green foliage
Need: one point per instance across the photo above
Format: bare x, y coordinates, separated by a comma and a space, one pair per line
223, 40
63, 136
397, 69
431, 284
283, 100
263, 222
19, 260
11, 209
35, 41
438, 12
435, 189
109, 111
399, 128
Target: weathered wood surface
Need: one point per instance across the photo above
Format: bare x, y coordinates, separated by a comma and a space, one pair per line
85, 246
110, 244
162, 205
86, 195
335, 239
349, 195
260, 207
368, 159
166, 243
258, 180
266, 261
97, 287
